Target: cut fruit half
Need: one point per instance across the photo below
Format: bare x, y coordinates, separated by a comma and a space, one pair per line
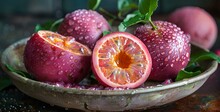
65, 43
121, 60
51, 57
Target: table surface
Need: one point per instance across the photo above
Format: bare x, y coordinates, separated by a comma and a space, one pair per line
206, 99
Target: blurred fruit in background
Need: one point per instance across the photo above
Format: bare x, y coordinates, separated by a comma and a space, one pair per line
196, 22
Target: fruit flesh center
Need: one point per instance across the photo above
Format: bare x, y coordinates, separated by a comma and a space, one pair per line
65, 43
123, 60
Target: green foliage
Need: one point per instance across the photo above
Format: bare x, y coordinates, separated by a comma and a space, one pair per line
193, 68
93, 4
143, 15
20, 72
51, 25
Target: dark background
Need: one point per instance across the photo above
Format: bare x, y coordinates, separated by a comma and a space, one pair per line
18, 19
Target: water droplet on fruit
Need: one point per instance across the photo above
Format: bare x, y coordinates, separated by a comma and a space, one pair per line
86, 37
69, 30
80, 38
171, 65
177, 59
59, 66
187, 55
71, 57
60, 72
70, 22
72, 40
99, 25
74, 18
62, 53
52, 58
82, 50
183, 62
76, 28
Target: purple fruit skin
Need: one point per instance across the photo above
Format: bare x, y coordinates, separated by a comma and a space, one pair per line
169, 48
48, 63
198, 23
86, 26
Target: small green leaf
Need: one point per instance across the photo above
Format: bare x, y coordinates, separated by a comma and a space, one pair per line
4, 82
125, 6
121, 27
93, 4
147, 6
105, 33
131, 19
193, 68
185, 74
203, 55
122, 4
37, 28
20, 72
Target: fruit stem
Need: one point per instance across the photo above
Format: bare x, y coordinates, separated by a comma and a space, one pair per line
55, 23
152, 24
107, 13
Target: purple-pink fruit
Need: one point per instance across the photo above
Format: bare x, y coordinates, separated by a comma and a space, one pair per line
169, 48
51, 57
86, 26
198, 23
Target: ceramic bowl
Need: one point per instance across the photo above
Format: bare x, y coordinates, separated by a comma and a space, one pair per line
153, 95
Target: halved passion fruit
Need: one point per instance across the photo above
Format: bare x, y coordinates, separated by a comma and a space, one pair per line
121, 60
51, 57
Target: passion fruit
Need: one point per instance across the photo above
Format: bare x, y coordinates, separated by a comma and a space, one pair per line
121, 60
51, 57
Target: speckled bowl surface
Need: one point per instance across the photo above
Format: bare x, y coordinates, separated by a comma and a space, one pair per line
153, 95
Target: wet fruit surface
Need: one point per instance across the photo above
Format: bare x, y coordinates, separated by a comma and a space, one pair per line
50, 57
169, 48
86, 26
121, 60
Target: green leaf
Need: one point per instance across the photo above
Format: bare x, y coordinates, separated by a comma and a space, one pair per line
146, 9
131, 19
125, 6
203, 55
93, 4
193, 68
51, 25
4, 82
185, 74
123, 3
37, 28
20, 72
147, 6
105, 33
